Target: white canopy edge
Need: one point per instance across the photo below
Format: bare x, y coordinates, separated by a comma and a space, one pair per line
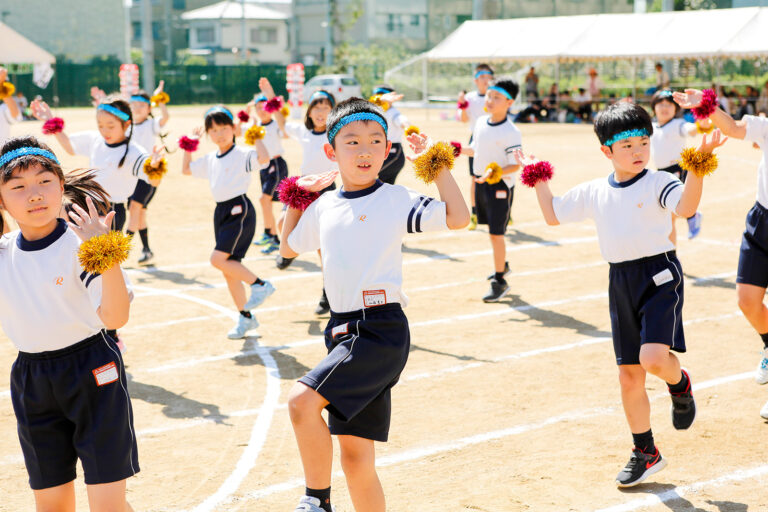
17, 49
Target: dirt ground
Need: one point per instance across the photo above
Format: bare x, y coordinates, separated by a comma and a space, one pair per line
503, 407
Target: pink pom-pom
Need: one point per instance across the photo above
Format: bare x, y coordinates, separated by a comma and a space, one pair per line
53, 126
188, 144
243, 116
456, 148
534, 173
291, 194
274, 105
463, 105
707, 106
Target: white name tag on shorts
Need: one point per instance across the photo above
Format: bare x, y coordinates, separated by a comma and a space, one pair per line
237, 210
340, 329
501, 194
106, 374
662, 277
373, 298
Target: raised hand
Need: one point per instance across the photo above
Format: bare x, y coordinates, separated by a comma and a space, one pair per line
157, 154
522, 159
97, 95
198, 132
484, 177
691, 98
392, 97
160, 87
40, 110
419, 143
3, 74
88, 224
462, 97
317, 182
717, 140
266, 88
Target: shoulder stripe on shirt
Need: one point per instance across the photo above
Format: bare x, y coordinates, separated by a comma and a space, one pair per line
512, 148
139, 163
420, 212
86, 278
672, 185
249, 160
414, 209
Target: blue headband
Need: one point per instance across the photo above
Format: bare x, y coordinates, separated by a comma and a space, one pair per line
361, 116
482, 72
142, 99
322, 93
501, 91
114, 111
637, 132
219, 109
382, 90
665, 94
16, 153
259, 98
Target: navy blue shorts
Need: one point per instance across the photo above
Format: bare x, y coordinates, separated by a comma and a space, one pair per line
393, 164
677, 171
494, 204
471, 159
73, 404
143, 193
272, 175
753, 257
234, 223
646, 302
367, 351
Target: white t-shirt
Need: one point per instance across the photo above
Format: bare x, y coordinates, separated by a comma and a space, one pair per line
396, 125
6, 120
632, 217
314, 160
273, 140
494, 142
757, 131
229, 174
668, 141
118, 182
360, 235
47, 301
476, 108
145, 133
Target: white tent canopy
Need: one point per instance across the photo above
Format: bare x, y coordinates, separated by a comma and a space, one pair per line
17, 49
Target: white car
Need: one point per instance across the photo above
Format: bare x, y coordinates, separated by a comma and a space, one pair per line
341, 86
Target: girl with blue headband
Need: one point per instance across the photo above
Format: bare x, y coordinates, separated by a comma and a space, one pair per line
118, 161
229, 170
631, 209
146, 129
396, 125
68, 383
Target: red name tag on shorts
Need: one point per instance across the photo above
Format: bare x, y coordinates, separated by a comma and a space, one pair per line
236, 210
501, 194
340, 329
373, 298
106, 374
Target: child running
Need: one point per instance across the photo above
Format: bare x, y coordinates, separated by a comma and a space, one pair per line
471, 107
631, 209
229, 172
494, 139
669, 138
360, 230
145, 130
68, 384
752, 276
118, 161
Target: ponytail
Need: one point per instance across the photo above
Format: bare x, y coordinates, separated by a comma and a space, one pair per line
81, 184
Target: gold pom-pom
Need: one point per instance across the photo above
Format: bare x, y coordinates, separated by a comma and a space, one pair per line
6, 89
699, 163
432, 161
253, 134
376, 100
411, 130
100, 253
161, 97
157, 172
496, 172
286, 111
703, 130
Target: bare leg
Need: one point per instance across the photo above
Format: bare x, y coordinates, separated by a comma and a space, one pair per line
358, 460
266, 209
108, 497
232, 268
56, 499
305, 406
656, 359
499, 246
634, 398
134, 220
472, 192
143, 219
751, 304
236, 291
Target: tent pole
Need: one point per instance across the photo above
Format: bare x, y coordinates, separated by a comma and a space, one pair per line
557, 75
425, 84
634, 79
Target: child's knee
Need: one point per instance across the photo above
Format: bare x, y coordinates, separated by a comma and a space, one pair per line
749, 304
302, 402
630, 380
357, 462
654, 361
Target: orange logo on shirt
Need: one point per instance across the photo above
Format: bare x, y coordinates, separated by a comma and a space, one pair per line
639, 205
59, 281
362, 218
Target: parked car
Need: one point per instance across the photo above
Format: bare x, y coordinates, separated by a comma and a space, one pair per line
341, 86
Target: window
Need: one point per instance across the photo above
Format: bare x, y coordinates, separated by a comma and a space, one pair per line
205, 35
264, 35
349, 81
179, 5
136, 30
415, 20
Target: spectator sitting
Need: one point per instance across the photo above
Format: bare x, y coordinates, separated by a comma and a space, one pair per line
762, 101
532, 83
583, 104
550, 102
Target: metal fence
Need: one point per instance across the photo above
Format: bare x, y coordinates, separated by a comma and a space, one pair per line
72, 83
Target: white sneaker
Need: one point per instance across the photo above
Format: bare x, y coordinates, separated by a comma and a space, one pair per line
764, 411
310, 504
761, 374
244, 324
259, 293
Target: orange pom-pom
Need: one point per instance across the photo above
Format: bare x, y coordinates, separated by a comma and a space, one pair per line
376, 100
699, 163
285, 111
496, 172
6, 90
156, 172
431, 162
253, 134
161, 97
101, 253
411, 130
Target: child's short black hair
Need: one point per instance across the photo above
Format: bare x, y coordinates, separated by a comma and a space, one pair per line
664, 95
508, 84
218, 117
483, 67
621, 117
350, 107
324, 96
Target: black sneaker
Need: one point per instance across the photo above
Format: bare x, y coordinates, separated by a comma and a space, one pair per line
641, 465
323, 306
507, 271
283, 263
146, 257
496, 291
683, 407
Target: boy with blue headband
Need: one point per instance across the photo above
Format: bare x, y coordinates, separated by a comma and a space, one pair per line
360, 230
631, 209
